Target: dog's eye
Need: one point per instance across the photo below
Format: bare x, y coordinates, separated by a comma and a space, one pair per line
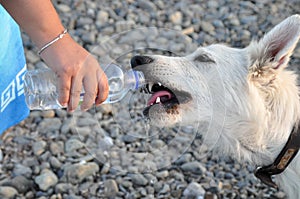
204, 58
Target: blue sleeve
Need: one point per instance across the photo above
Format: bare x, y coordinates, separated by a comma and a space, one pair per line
13, 108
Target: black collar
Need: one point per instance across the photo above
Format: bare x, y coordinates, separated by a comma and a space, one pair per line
282, 161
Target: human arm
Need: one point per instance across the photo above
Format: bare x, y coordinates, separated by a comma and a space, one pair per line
73, 65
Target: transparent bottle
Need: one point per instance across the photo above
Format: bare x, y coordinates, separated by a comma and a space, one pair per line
41, 93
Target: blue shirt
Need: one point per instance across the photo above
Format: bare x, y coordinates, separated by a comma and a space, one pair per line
13, 108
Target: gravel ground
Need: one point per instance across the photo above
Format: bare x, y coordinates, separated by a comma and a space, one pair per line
109, 151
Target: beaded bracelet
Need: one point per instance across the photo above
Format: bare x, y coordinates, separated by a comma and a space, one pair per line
60, 36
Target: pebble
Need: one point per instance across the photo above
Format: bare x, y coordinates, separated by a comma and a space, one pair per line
46, 180
48, 114
63, 188
207, 27
139, 179
64, 8
72, 145
20, 169
49, 125
110, 188
194, 190
176, 17
32, 57
194, 167
56, 148
102, 17
39, 147
86, 122
20, 183
188, 31
55, 163
8, 192
124, 26
76, 173
146, 5
162, 174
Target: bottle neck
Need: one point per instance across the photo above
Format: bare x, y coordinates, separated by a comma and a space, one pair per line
134, 79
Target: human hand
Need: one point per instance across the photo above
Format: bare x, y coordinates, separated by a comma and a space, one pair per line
76, 68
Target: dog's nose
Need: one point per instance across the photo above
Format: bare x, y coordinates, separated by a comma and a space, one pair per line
140, 60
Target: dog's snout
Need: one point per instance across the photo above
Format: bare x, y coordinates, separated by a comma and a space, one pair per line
140, 60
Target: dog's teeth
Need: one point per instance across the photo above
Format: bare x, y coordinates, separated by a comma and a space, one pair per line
150, 85
159, 84
157, 100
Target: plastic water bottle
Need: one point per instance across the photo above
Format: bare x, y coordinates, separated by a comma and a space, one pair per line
41, 93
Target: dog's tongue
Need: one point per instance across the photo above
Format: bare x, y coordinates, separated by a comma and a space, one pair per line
163, 95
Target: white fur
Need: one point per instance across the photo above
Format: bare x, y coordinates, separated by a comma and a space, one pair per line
247, 96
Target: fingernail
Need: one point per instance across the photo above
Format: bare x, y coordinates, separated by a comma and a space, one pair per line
64, 105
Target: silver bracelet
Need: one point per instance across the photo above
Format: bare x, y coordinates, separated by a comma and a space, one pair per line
60, 36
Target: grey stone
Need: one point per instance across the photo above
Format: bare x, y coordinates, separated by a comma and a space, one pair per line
176, 17
110, 188
184, 158
124, 25
49, 125
55, 163
48, 114
63, 8
249, 19
82, 21
56, 148
89, 37
280, 195
194, 167
207, 27
165, 189
147, 5
39, 147
72, 145
78, 172
162, 174
102, 17
194, 190
20, 183
46, 180
63, 188
129, 138
8, 192
139, 179
20, 169
218, 23
86, 122
32, 57
157, 143
228, 176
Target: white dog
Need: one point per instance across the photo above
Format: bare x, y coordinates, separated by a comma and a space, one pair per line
248, 98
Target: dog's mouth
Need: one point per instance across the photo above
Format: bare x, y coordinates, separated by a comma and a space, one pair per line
166, 98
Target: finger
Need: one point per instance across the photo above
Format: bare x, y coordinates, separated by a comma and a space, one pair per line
76, 89
103, 88
90, 92
64, 85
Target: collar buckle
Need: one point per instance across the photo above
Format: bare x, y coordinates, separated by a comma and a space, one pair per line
282, 161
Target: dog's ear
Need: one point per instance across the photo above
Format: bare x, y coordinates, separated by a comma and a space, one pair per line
276, 47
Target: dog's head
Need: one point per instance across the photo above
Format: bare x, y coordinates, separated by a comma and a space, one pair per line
217, 77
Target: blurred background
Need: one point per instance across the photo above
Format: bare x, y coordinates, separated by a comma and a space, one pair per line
110, 151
